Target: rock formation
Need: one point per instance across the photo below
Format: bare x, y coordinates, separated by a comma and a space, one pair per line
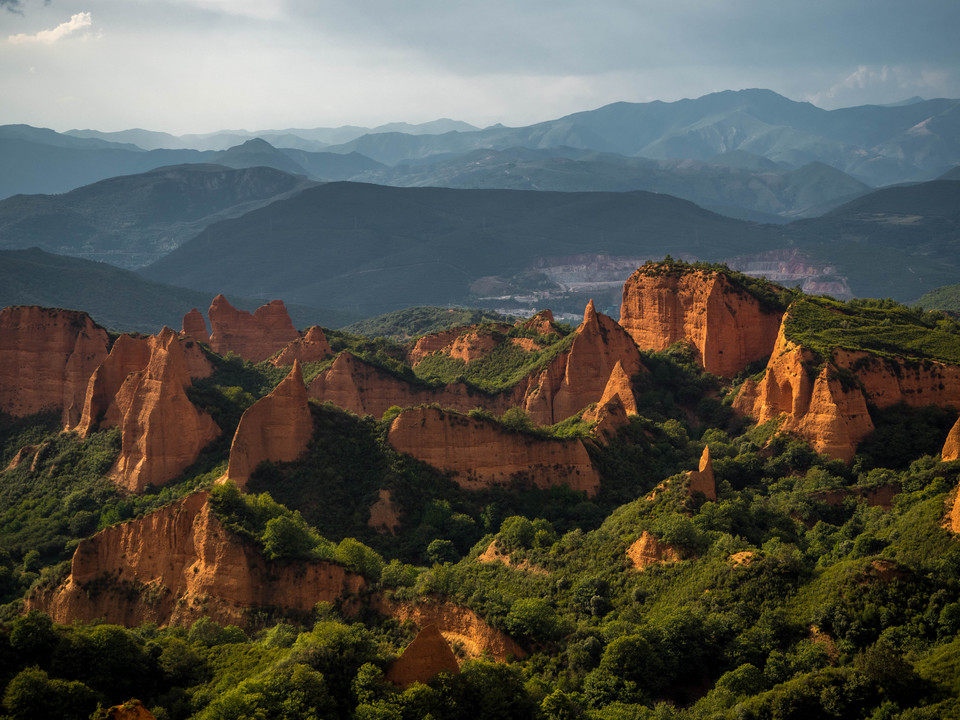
130, 710
178, 564
384, 515
458, 625
702, 480
541, 323
828, 406
128, 355
481, 453
162, 432
312, 347
277, 428
364, 389
648, 550
429, 344
253, 337
951, 447
27, 452
579, 377
46, 358
616, 404
195, 326
728, 326
423, 659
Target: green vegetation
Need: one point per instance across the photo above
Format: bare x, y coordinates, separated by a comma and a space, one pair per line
793, 596
943, 298
881, 327
403, 325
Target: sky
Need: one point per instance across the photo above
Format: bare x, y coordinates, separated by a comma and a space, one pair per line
197, 66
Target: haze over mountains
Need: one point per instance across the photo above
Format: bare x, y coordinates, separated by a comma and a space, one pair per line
250, 214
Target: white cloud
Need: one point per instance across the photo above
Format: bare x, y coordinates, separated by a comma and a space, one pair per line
884, 83
48, 37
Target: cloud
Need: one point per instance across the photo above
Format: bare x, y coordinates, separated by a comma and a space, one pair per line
48, 37
884, 83
12, 5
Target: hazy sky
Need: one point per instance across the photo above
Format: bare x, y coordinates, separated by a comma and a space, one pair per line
204, 65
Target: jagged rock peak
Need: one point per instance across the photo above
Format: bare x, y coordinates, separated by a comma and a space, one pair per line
423, 659
312, 347
543, 322
195, 326
951, 447
47, 356
702, 480
277, 427
161, 431
253, 337
648, 550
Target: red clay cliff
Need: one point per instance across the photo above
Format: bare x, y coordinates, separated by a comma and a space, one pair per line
253, 337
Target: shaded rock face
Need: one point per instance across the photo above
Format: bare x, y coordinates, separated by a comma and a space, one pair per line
179, 563
128, 355
46, 358
384, 515
253, 337
727, 326
312, 347
162, 432
195, 326
423, 659
457, 625
702, 480
277, 428
579, 377
829, 410
648, 550
951, 447
482, 454
354, 385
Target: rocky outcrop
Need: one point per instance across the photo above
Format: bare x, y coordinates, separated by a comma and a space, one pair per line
178, 564
542, 323
27, 453
253, 337
458, 625
130, 710
495, 554
384, 515
423, 659
648, 550
951, 447
162, 432
728, 327
46, 358
702, 480
579, 377
427, 345
826, 402
480, 453
312, 347
129, 354
277, 427
357, 386
195, 326
616, 405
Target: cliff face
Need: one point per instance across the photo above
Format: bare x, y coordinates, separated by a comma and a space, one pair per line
951, 446
353, 385
830, 409
312, 347
162, 432
481, 454
195, 326
46, 358
253, 337
648, 550
276, 427
728, 327
616, 404
423, 659
579, 377
178, 564
128, 355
